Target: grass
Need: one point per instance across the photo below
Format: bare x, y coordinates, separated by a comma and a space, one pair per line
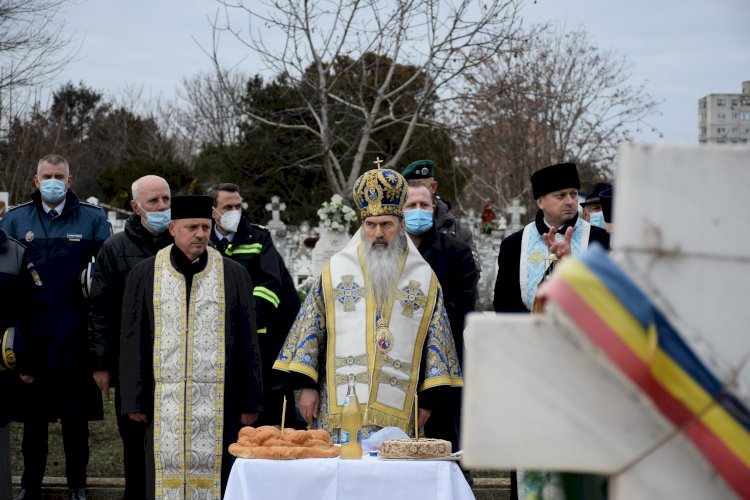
105, 447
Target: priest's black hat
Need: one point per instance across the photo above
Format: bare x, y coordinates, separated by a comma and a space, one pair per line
605, 198
593, 195
192, 207
555, 178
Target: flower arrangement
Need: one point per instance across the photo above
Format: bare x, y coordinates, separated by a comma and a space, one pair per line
336, 215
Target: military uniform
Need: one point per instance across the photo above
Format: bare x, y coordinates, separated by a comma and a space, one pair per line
13, 267
55, 348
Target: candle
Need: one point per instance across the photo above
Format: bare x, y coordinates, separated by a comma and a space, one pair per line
283, 414
416, 416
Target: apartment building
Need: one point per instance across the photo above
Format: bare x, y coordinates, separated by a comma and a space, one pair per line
725, 118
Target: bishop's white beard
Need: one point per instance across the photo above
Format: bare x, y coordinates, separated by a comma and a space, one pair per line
382, 267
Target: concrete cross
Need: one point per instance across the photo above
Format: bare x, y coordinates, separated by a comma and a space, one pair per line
516, 211
275, 208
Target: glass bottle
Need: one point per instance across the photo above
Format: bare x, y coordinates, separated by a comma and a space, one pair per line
351, 425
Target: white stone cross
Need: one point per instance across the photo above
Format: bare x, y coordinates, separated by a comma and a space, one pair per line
275, 208
516, 211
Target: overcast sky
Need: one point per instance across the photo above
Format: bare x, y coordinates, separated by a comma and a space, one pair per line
682, 49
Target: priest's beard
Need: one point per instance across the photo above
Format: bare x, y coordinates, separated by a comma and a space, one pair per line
382, 267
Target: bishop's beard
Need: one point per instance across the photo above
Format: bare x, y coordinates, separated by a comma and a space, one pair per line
382, 266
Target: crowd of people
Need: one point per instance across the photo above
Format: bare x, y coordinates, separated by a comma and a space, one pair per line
192, 317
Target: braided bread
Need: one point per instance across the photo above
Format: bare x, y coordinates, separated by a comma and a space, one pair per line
269, 442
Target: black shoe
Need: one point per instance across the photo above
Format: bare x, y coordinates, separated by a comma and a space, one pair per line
77, 494
25, 494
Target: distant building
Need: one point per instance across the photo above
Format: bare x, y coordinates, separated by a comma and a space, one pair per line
725, 118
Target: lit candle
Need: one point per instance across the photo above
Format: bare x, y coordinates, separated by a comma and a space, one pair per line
416, 416
283, 414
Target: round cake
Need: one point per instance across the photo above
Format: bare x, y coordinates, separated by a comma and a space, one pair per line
413, 448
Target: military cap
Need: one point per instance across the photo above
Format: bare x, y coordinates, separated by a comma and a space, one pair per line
420, 169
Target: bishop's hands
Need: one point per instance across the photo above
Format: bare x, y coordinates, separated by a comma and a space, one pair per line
559, 249
309, 404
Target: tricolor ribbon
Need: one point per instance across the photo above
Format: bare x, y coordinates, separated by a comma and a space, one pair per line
621, 320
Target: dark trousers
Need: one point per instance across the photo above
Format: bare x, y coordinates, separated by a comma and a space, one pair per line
133, 436
445, 421
75, 433
6, 487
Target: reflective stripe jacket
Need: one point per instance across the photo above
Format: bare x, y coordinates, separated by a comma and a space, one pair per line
276, 299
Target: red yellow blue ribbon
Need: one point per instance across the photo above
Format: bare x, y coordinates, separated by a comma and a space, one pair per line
620, 319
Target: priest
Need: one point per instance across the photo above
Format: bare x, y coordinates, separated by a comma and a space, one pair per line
375, 316
557, 231
189, 362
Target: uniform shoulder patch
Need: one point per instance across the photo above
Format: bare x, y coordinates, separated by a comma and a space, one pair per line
20, 205
90, 205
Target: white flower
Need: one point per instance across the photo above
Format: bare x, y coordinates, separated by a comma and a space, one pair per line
335, 214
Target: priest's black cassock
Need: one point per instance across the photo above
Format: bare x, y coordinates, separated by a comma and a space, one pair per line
242, 369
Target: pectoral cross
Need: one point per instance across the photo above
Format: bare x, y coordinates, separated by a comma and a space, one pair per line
378, 161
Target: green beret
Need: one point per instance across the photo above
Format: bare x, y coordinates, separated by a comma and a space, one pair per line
420, 169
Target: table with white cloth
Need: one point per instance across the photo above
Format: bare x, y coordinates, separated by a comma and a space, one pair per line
336, 479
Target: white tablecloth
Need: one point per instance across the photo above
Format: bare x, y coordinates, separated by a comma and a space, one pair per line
335, 479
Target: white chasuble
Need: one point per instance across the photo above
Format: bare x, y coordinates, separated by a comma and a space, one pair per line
534, 261
188, 379
383, 362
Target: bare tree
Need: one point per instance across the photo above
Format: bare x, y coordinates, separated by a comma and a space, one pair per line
210, 110
324, 43
33, 47
559, 99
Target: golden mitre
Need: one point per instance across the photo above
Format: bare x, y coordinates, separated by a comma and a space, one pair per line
380, 192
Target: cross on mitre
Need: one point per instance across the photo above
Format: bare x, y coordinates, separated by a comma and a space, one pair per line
378, 161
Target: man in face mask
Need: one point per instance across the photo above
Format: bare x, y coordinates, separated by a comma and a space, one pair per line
62, 234
145, 234
454, 266
276, 299
592, 206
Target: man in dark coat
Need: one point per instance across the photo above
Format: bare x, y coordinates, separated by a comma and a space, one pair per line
13, 293
527, 256
189, 358
145, 234
276, 299
62, 236
453, 264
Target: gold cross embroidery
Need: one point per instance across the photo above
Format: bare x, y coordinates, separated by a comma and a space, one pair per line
536, 257
411, 298
349, 293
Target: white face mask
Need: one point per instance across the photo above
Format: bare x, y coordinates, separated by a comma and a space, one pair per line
230, 220
597, 219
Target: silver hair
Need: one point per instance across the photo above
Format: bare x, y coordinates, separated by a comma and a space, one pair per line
54, 160
135, 187
382, 266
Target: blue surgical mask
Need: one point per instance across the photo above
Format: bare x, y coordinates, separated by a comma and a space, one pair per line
157, 222
597, 219
418, 221
53, 190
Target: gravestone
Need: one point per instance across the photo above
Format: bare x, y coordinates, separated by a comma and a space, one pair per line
276, 226
329, 244
516, 211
